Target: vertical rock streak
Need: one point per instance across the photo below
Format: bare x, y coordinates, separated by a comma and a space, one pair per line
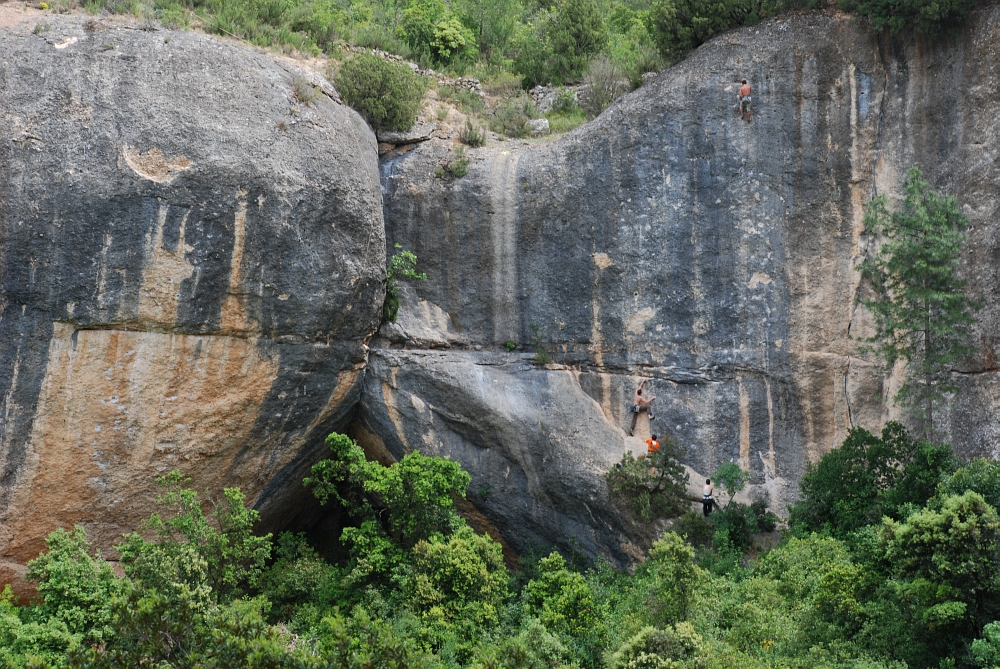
503, 231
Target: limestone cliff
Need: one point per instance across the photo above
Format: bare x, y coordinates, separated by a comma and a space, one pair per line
669, 240
192, 262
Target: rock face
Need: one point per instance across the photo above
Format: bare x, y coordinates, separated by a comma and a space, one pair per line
669, 240
192, 263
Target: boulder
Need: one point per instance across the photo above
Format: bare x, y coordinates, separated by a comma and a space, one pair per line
420, 132
539, 126
190, 273
668, 240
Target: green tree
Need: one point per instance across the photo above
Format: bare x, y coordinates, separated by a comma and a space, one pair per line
76, 589
922, 315
673, 579
930, 17
653, 648
948, 559
868, 477
217, 555
979, 475
986, 651
732, 478
395, 507
561, 598
452, 41
457, 584
678, 26
493, 22
576, 34
419, 19
402, 265
652, 487
386, 93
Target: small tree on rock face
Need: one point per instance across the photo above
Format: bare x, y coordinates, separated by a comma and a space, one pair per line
402, 265
653, 487
731, 478
921, 314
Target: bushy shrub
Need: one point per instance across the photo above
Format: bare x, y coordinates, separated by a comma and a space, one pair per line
930, 17
402, 265
473, 134
654, 486
305, 92
673, 578
77, 589
386, 93
677, 26
652, 648
510, 117
561, 598
452, 41
603, 83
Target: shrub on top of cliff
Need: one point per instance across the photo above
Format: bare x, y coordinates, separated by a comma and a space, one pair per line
386, 93
305, 92
677, 26
651, 487
604, 83
402, 265
510, 117
930, 17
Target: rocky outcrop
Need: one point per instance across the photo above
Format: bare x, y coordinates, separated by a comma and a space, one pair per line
670, 241
192, 263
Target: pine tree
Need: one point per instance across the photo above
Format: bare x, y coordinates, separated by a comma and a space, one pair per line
922, 315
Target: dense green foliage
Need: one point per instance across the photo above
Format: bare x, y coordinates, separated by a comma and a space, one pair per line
652, 486
416, 588
922, 315
869, 477
387, 94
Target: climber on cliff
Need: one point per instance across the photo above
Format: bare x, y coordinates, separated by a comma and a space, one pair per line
743, 100
640, 404
652, 446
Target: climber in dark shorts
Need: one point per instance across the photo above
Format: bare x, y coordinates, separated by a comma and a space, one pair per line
640, 404
743, 101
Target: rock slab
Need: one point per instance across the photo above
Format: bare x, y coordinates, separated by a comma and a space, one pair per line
190, 273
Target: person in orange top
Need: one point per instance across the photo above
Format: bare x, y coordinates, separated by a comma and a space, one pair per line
744, 100
652, 446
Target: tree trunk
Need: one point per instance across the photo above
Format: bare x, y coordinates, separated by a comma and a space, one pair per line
929, 412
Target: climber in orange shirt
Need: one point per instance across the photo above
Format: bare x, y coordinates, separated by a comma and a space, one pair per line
652, 446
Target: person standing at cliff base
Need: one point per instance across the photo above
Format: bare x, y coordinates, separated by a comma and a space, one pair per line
706, 499
743, 101
652, 446
640, 404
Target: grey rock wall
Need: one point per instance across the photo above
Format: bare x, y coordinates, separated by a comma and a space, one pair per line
191, 264
670, 241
